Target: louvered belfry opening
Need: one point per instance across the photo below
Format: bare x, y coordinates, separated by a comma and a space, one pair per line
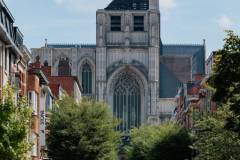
127, 102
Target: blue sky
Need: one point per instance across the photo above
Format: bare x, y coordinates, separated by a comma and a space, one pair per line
73, 21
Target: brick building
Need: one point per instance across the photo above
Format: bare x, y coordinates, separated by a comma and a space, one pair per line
36, 97
31, 80
43, 89
194, 98
61, 83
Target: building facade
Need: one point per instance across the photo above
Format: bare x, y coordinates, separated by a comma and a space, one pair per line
210, 63
14, 56
195, 98
36, 97
129, 67
43, 90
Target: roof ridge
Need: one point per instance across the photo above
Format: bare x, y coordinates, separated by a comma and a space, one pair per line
61, 44
71, 45
175, 44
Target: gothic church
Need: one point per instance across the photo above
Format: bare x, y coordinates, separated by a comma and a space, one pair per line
129, 67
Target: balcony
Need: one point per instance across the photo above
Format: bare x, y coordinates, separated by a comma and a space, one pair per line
136, 38
18, 37
10, 35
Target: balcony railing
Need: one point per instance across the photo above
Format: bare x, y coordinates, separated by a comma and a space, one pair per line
18, 37
10, 34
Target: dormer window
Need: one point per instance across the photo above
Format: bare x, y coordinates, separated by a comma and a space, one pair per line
115, 23
138, 23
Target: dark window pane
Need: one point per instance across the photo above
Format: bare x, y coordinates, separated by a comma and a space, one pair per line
138, 23
115, 23
6, 56
87, 79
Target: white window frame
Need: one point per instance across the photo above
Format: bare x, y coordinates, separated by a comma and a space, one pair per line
33, 101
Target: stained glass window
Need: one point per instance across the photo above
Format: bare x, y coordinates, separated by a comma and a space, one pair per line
87, 79
127, 102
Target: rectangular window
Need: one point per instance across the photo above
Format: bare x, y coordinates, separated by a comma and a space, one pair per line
138, 23
1, 16
6, 59
115, 23
6, 24
11, 29
10, 63
32, 100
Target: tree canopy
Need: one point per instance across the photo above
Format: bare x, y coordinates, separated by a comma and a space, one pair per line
213, 141
84, 130
218, 133
15, 118
168, 141
226, 79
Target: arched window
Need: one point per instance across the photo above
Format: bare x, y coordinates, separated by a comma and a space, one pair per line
64, 68
127, 102
45, 63
87, 79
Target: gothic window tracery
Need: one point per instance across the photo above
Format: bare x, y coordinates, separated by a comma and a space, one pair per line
87, 79
127, 102
64, 68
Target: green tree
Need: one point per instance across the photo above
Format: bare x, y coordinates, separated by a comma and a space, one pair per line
14, 126
226, 78
83, 131
213, 141
168, 141
218, 136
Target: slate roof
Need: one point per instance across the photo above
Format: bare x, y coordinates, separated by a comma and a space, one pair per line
128, 5
196, 51
169, 83
71, 45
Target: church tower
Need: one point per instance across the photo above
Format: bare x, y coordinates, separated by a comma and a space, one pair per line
127, 59
124, 68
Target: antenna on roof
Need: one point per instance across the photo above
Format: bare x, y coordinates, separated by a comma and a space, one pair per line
46, 43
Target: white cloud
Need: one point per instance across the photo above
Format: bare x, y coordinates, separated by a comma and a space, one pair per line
167, 5
165, 8
225, 22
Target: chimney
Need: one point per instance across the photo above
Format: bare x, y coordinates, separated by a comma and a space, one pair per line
154, 4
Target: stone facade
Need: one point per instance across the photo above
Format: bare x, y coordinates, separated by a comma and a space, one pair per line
129, 53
